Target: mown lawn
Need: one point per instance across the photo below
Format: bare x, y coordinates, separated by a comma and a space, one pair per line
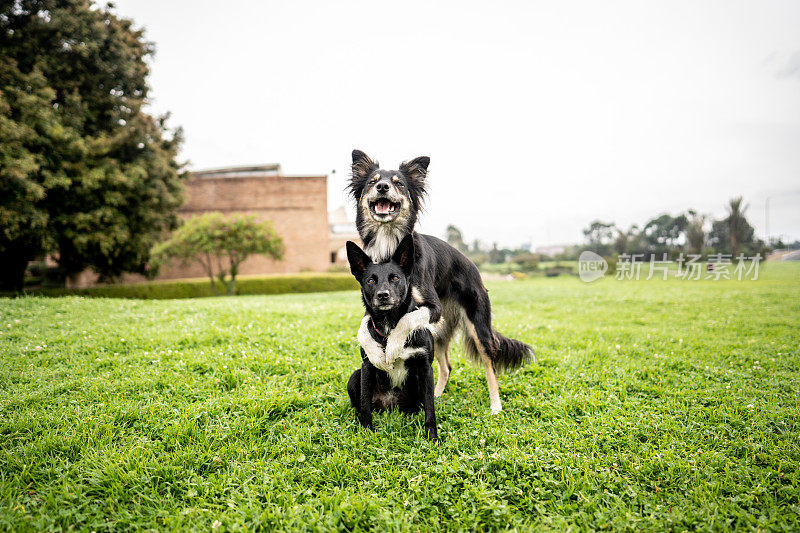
653, 406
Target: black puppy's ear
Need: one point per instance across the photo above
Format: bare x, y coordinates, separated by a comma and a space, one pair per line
359, 261
363, 167
416, 170
404, 255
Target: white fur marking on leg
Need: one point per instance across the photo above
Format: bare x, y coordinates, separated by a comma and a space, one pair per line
411, 352
416, 295
397, 338
440, 351
491, 379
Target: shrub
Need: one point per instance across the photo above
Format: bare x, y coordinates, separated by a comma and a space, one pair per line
527, 261
161, 290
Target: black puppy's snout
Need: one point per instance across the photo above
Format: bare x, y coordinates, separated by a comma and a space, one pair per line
382, 187
382, 295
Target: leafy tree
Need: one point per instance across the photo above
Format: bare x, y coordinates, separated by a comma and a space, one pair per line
665, 233
621, 245
628, 242
599, 236
220, 244
635, 239
695, 232
27, 123
720, 237
87, 176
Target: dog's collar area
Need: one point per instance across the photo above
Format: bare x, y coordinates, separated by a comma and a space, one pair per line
376, 328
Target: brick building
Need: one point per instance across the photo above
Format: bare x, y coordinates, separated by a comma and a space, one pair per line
296, 205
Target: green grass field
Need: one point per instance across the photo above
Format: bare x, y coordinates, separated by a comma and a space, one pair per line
653, 406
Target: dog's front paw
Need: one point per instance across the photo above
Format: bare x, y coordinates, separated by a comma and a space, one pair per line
378, 360
365, 421
388, 362
394, 347
431, 433
383, 365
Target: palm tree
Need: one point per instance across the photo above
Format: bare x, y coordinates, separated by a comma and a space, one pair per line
737, 223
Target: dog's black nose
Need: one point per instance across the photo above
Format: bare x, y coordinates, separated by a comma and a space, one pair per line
382, 295
382, 187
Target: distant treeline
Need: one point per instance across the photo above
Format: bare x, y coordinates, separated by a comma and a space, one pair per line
690, 232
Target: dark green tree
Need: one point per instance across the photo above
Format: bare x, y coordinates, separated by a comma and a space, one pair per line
87, 176
29, 128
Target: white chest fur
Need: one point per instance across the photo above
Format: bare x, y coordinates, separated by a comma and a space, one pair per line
384, 244
398, 373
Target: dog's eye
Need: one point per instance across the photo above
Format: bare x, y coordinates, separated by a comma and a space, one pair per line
394, 277
370, 281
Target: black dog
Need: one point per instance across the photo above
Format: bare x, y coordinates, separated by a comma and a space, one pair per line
381, 383
445, 284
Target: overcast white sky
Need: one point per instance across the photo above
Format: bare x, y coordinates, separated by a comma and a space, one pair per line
538, 116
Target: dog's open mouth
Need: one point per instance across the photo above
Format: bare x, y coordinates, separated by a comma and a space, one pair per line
383, 207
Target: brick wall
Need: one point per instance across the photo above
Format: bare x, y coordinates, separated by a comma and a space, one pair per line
296, 205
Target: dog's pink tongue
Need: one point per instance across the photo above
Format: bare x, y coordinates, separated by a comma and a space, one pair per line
382, 207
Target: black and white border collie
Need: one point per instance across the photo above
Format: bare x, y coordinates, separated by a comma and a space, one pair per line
445, 285
405, 383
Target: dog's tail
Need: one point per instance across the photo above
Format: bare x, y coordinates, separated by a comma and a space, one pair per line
506, 354
481, 341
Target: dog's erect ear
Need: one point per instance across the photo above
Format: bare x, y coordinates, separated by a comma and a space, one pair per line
359, 261
363, 167
404, 255
416, 170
